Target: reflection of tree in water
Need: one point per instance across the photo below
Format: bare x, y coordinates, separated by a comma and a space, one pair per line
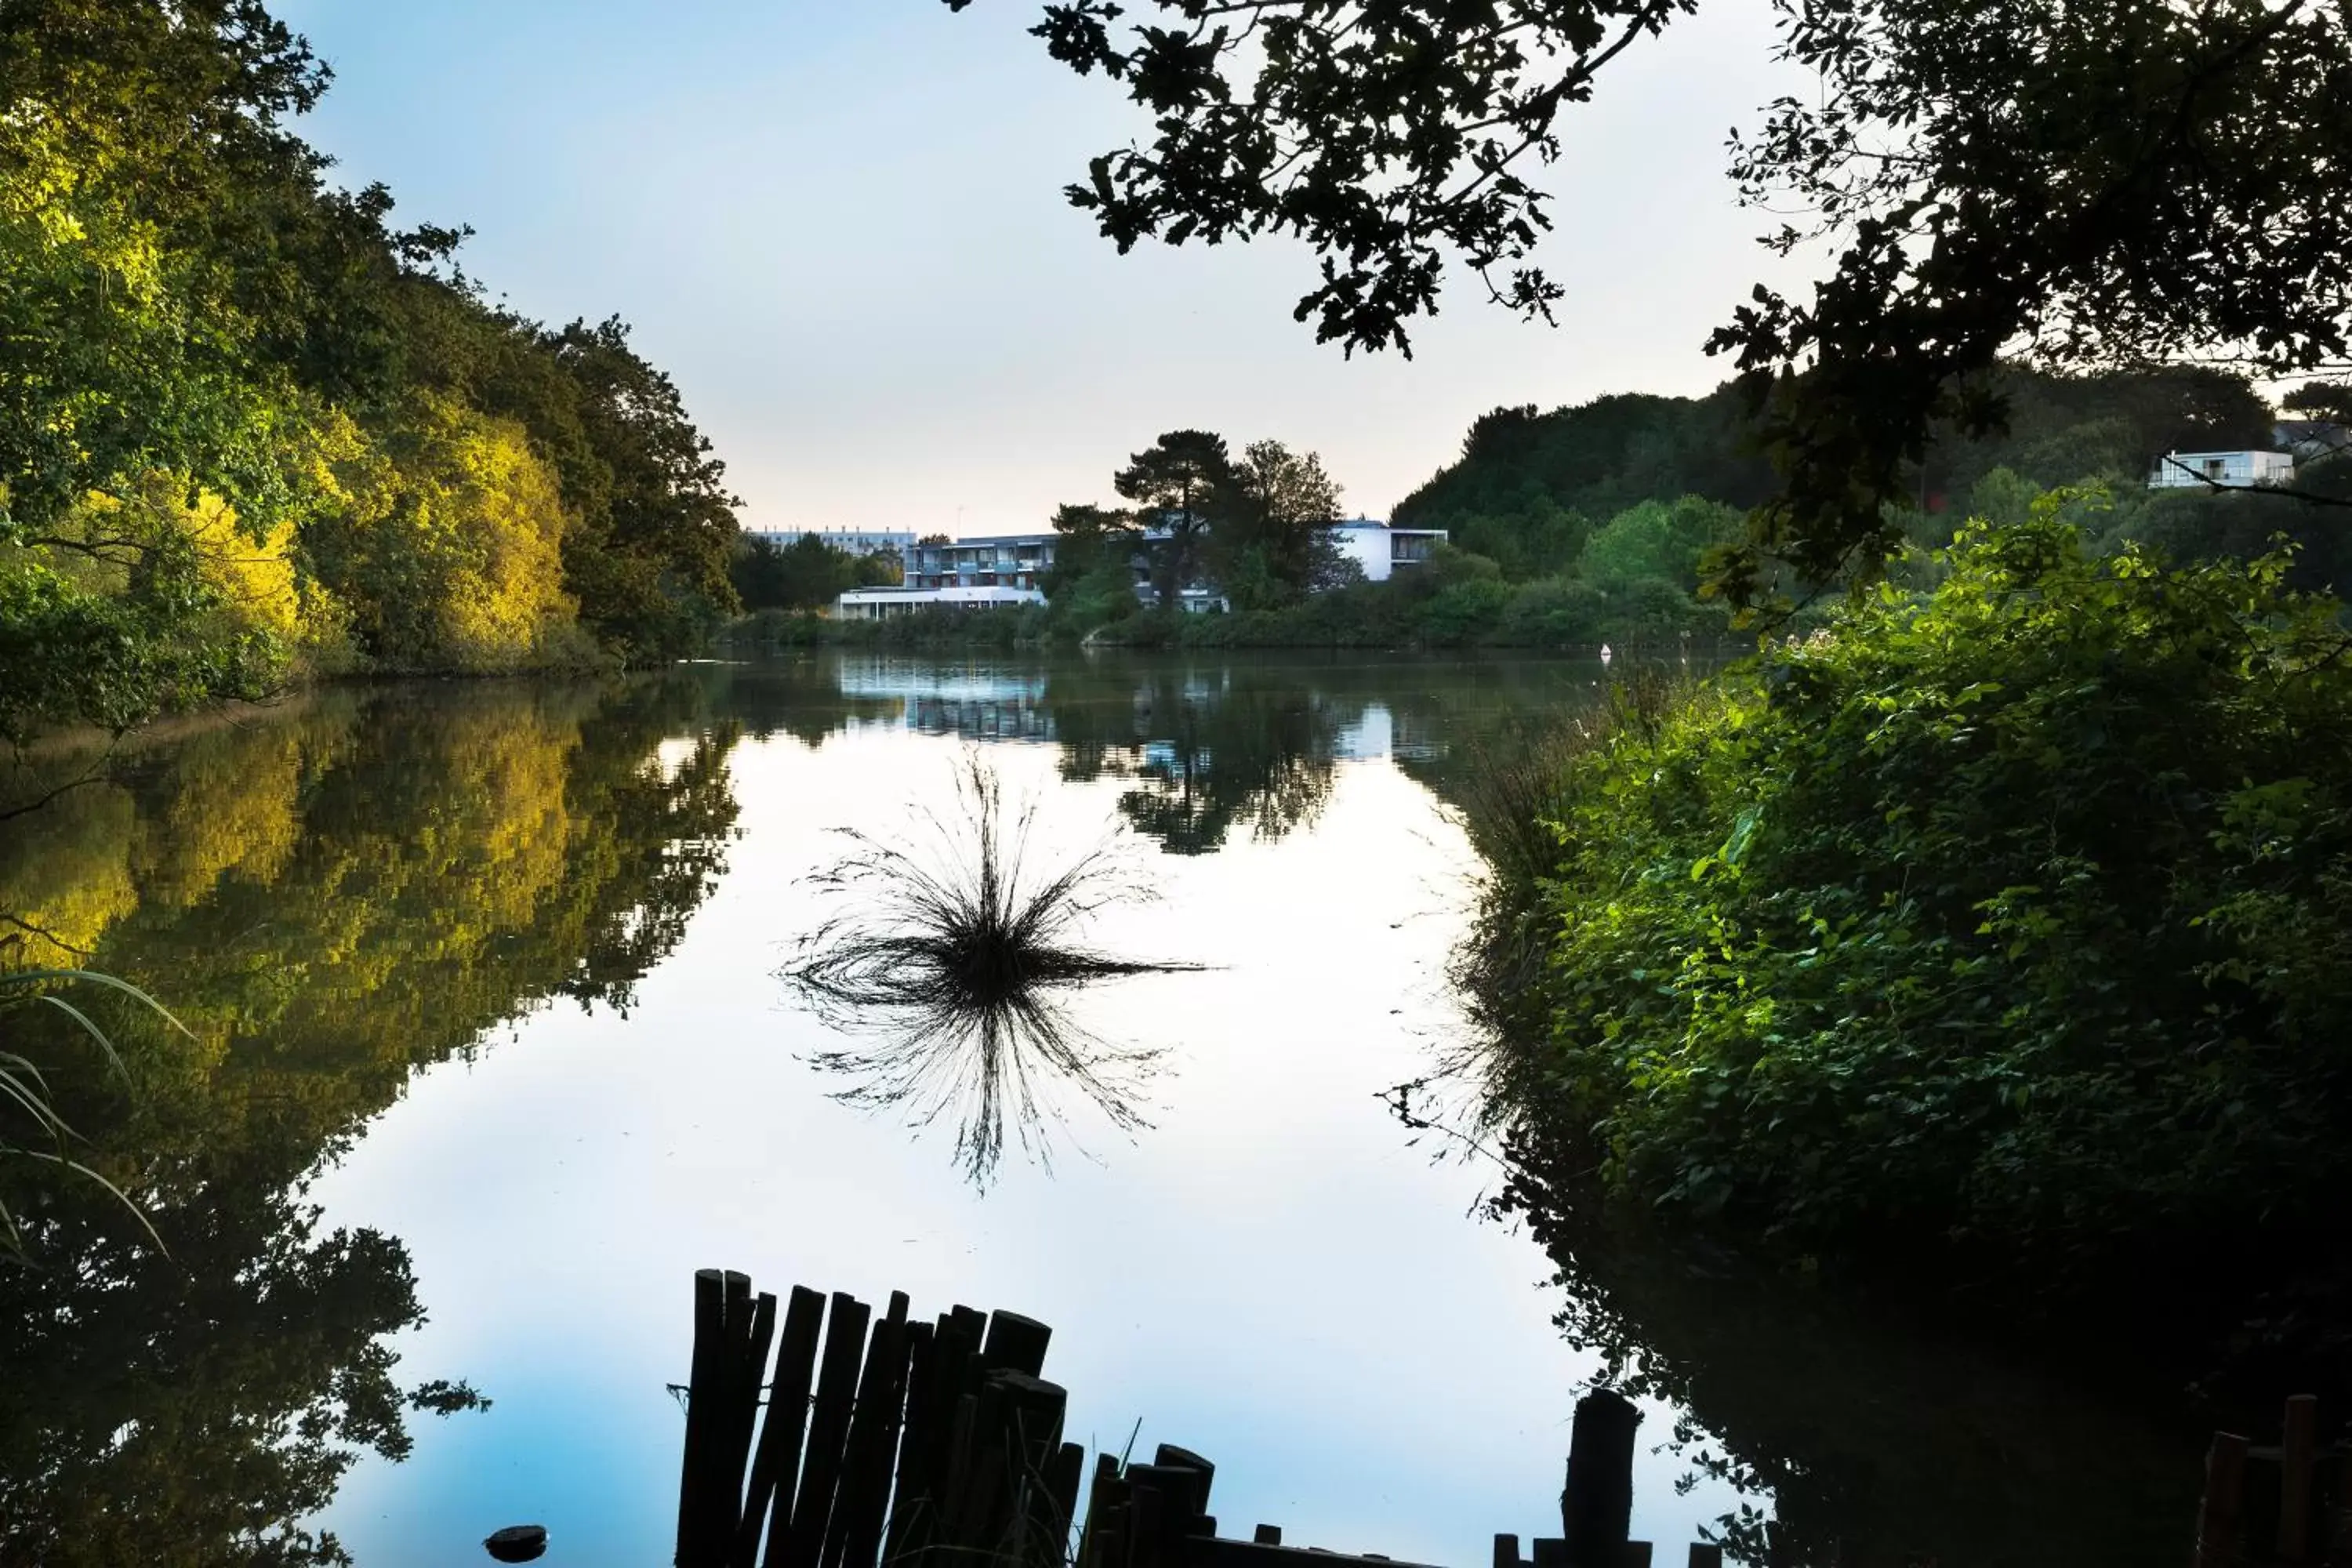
955, 958
330, 898
803, 696
1211, 750
1212, 745
1862, 1428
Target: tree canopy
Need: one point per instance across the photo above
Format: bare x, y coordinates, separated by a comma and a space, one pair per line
809, 574
2113, 184
1181, 483
217, 368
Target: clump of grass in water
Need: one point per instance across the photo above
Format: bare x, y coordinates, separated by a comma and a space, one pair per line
956, 959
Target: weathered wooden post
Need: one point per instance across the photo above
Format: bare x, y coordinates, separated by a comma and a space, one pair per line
2298, 1453
1016, 1343
776, 1464
1063, 1476
836, 1394
1596, 1506
1105, 1494
721, 1401
2217, 1517
855, 1529
709, 1306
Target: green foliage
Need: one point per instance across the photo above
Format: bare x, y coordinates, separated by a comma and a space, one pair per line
70, 654
448, 546
1182, 484
2021, 912
1527, 483
1659, 541
649, 560
2079, 181
249, 432
1273, 545
809, 574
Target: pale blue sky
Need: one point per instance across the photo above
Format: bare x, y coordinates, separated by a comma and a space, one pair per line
838, 224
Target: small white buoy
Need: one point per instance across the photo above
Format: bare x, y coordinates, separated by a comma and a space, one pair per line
1605, 654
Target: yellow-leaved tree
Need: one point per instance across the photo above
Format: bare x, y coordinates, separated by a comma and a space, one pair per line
444, 540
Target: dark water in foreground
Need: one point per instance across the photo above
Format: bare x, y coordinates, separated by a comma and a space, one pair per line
488, 1054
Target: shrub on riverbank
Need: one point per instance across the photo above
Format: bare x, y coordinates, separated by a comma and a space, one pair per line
2021, 912
1454, 606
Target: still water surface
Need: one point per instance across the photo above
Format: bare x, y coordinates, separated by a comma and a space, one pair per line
490, 971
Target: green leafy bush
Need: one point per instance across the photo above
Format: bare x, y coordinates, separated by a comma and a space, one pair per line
2021, 912
1554, 612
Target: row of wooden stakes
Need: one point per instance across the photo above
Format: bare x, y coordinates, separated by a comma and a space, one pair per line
864, 1441
2291, 1504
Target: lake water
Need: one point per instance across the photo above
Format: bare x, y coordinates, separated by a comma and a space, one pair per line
487, 975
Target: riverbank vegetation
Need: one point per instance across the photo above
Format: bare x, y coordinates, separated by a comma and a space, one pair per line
253, 432
2004, 919
1589, 525
1254, 533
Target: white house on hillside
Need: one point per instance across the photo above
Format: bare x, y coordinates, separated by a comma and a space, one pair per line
1379, 550
2225, 470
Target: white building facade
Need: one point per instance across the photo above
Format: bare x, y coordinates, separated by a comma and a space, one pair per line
883, 604
977, 573
2226, 470
1379, 550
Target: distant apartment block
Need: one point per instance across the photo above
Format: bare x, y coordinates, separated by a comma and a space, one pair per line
2224, 470
1013, 560
849, 541
959, 575
882, 604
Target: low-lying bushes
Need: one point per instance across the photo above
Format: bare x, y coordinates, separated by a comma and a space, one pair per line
1470, 610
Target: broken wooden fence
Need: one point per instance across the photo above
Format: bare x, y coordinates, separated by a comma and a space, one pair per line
938, 1443
2288, 1504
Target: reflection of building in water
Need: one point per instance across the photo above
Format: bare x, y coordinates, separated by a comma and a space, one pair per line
981, 719
985, 704
1380, 733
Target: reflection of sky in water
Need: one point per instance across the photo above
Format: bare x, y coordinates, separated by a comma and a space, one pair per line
1269, 1276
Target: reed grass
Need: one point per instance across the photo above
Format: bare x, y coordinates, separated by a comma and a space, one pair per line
953, 962
25, 1089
